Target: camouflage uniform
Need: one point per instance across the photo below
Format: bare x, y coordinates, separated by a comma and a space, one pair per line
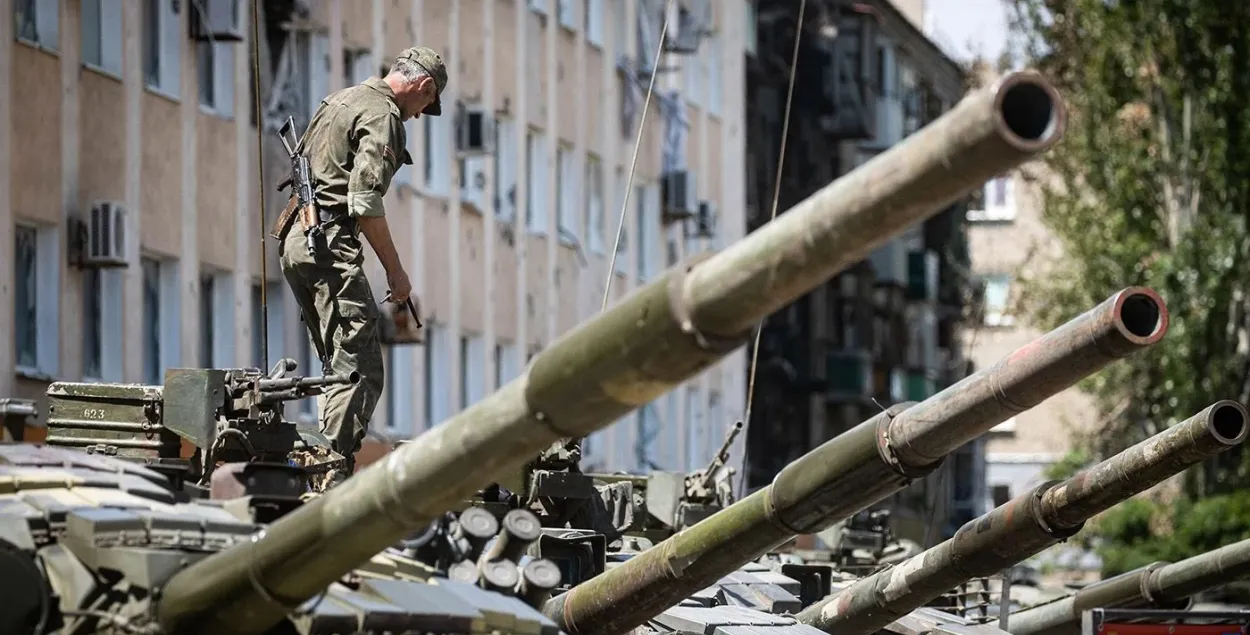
354, 143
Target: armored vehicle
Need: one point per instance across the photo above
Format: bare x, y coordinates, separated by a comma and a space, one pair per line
194, 507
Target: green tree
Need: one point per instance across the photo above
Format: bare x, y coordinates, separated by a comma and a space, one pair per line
1151, 186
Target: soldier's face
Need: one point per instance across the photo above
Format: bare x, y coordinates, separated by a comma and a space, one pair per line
422, 95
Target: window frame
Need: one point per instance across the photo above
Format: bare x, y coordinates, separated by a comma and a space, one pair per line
44, 298
46, 25
162, 48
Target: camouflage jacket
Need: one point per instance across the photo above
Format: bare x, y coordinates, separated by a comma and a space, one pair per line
355, 143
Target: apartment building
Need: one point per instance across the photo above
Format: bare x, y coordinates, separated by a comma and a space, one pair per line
130, 155
885, 330
1006, 236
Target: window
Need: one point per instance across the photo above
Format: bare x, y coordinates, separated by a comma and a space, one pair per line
565, 13
536, 181
308, 365
750, 37
642, 249
505, 171
161, 319
594, 204
311, 73
696, 430
357, 67
507, 364
1001, 494
397, 390
538, 6
472, 371
438, 154
36, 299
162, 40
1008, 426
92, 323
650, 241
993, 203
102, 35
206, 321
438, 393
216, 76
672, 444
714, 88
38, 22
997, 295
216, 320
258, 327
566, 195
592, 18
622, 250
464, 371
620, 33
692, 69
388, 389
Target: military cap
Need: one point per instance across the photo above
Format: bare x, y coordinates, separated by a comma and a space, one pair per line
432, 63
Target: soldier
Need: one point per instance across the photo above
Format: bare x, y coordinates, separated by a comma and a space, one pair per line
354, 144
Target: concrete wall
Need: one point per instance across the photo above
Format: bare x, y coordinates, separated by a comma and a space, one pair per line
187, 176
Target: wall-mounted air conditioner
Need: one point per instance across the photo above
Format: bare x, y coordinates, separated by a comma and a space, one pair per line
102, 235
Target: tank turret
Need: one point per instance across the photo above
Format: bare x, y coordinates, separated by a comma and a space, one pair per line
1159, 585
227, 415
1022, 527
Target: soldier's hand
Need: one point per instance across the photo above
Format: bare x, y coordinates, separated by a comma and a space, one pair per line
401, 288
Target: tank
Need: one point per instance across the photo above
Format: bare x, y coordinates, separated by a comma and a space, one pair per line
652, 341
1022, 527
87, 539
860, 467
1159, 585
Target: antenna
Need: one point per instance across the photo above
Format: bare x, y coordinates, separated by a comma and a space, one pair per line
260, 165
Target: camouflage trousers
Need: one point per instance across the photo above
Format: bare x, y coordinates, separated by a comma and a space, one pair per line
337, 303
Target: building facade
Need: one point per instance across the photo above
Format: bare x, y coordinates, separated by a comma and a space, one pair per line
130, 156
886, 330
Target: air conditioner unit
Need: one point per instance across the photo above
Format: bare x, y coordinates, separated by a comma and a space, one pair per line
705, 220
102, 236
216, 20
475, 130
678, 192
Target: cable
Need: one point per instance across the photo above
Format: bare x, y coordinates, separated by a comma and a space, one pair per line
633, 164
759, 330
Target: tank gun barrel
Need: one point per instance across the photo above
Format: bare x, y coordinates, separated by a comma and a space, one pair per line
1028, 524
860, 467
1157, 585
302, 383
650, 342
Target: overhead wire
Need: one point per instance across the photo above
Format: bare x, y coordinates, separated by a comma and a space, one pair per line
759, 330
633, 163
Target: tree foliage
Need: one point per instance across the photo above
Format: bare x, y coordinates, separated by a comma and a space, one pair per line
1151, 186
